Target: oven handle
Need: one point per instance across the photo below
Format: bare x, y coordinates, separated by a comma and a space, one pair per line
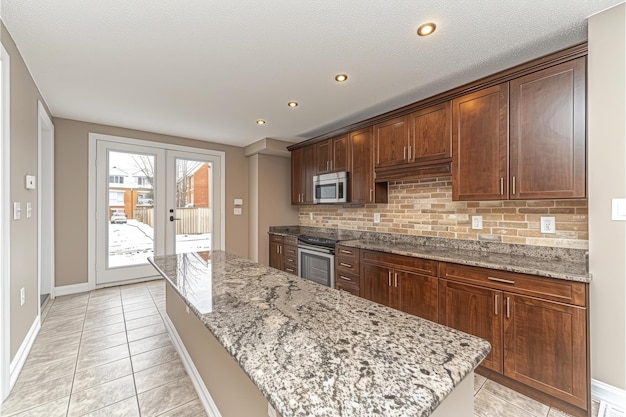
320, 249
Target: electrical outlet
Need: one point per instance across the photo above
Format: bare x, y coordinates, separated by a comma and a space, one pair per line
548, 225
477, 222
376, 217
22, 296
310, 216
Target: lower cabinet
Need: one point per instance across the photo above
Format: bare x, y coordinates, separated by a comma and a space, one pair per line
392, 280
537, 328
347, 276
284, 253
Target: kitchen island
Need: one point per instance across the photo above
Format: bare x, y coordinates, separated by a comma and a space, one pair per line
312, 350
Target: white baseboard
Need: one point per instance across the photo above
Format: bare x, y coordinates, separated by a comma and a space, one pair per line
71, 289
196, 379
605, 392
20, 357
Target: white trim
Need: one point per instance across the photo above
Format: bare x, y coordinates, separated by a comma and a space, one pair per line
194, 375
24, 350
71, 289
45, 188
604, 392
91, 192
5, 225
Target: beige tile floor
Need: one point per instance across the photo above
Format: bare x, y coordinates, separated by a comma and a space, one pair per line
107, 353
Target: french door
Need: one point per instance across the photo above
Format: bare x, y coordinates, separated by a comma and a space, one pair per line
152, 201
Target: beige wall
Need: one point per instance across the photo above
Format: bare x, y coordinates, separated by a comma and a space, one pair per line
607, 180
23, 246
71, 186
425, 207
271, 177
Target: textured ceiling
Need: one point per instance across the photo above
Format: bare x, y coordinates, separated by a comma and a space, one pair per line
207, 69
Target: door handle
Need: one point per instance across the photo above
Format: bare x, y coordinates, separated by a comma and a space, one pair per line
172, 218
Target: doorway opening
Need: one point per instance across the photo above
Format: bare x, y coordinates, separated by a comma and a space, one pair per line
45, 209
5, 231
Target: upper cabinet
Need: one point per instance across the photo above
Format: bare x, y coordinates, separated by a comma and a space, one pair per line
332, 155
362, 188
547, 136
480, 144
414, 146
303, 166
529, 144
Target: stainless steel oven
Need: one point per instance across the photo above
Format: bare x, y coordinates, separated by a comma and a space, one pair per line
316, 260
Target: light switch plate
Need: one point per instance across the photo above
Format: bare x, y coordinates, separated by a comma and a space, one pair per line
237, 211
477, 222
618, 211
17, 211
239, 201
548, 224
29, 210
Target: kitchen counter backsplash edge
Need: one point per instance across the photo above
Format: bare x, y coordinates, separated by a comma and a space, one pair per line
552, 262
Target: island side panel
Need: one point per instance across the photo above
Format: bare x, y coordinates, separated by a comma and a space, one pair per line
460, 402
232, 391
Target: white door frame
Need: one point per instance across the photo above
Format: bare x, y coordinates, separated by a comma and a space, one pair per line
5, 227
45, 198
218, 244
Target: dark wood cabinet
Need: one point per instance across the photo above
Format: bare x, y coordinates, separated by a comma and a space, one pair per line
332, 155
391, 142
303, 168
405, 287
347, 274
362, 188
547, 136
480, 145
474, 310
537, 327
431, 133
545, 347
284, 253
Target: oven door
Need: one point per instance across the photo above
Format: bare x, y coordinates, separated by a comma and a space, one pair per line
316, 264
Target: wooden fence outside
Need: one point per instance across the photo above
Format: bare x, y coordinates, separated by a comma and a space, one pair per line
193, 220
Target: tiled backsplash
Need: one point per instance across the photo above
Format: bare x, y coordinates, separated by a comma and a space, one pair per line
425, 208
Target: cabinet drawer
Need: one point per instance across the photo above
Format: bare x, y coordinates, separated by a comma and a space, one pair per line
290, 240
346, 266
290, 252
349, 288
291, 269
346, 279
276, 238
407, 263
345, 253
563, 291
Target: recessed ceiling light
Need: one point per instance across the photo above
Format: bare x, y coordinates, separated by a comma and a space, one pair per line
261, 122
426, 29
341, 77
293, 104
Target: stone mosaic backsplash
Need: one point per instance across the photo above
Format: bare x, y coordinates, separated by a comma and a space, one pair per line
425, 208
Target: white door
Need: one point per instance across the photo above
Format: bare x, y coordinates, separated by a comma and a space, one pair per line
153, 201
130, 208
193, 202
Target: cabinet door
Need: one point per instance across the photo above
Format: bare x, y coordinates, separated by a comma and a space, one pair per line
297, 176
324, 156
340, 153
391, 140
361, 177
375, 283
545, 347
548, 133
480, 145
474, 310
276, 258
310, 162
431, 133
416, 294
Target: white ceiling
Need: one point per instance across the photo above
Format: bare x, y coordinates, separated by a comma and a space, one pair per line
207, 69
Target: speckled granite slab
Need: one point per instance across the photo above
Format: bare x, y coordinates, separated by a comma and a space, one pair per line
315, 351
561, 263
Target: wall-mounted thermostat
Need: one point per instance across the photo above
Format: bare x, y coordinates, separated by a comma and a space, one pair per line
30, 182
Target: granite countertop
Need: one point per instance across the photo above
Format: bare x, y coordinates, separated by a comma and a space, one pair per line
542, 261
315, 351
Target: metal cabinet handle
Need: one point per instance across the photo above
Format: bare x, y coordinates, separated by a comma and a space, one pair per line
289, 270
504, 281
345, 278
348, 252
327, 163
508, 307
409, 156
371, 195
404, 153
497, 299
513, 184
396, 279
389, 272
345, 264
501, 186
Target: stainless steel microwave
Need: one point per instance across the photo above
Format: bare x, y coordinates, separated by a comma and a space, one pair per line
330, 188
